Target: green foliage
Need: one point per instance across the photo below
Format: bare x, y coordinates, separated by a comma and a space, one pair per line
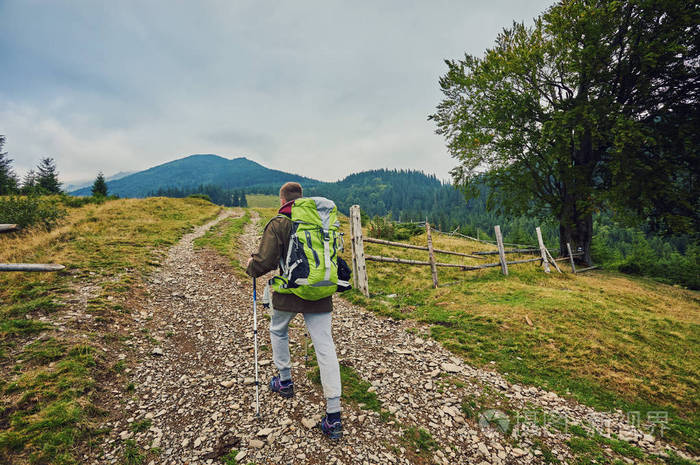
47, 177
30, 210
99, 187
381, 228
8, 178
592, 107
76, 202
199, 196
674, 260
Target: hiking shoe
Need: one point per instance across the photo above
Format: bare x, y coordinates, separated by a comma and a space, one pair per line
286, 390
332, 430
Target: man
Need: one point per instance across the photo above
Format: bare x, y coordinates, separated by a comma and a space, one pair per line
317, 316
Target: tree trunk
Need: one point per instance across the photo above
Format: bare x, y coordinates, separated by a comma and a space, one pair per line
579, 233
576, 217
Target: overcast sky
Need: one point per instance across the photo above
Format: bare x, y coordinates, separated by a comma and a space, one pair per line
321, 88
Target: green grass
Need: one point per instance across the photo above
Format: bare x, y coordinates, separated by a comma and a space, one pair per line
47, 400
140, 426
132, 454
604, 339
223, 237
419, 440
355, 390
263, 201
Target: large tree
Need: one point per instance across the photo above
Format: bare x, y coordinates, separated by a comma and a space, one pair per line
593, 107
47, 177
8, 178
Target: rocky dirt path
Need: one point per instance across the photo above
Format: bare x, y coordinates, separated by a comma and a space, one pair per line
194, 385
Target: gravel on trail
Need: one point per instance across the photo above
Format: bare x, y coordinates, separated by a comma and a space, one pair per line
193, 382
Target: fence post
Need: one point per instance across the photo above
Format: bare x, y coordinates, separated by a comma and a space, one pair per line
501, 250
571, 258
433, 268
543, 250
359, 268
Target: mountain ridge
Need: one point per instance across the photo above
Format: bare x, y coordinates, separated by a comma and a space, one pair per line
195, 170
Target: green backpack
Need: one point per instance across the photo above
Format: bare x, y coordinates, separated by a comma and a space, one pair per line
310, 269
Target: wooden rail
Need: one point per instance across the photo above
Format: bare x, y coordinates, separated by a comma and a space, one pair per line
376, 258
496, 252
420, 247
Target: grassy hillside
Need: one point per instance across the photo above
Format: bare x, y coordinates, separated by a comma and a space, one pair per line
61, 333
263, 201
604, 339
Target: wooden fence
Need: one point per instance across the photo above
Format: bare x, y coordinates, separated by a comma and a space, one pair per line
359, 258
25, 266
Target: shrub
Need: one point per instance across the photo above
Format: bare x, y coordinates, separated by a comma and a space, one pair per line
30, 210
381, 228
405, 231
75, 202
199, 196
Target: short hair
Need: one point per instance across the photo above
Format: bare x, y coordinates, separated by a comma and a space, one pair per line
291, 191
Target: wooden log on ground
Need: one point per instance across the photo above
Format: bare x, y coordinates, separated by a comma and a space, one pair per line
571, 258
542, 250
8, 227
359, 267
501, 253
433, 268
581, 270
418, 247
30, 267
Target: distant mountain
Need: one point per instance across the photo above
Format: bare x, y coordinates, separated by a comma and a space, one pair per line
76, 185
196, 170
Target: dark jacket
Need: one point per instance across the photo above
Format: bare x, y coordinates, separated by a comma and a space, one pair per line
273, 245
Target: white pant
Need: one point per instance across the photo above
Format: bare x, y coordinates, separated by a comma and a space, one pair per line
319, 327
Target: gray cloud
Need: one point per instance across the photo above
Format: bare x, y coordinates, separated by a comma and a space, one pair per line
325, 88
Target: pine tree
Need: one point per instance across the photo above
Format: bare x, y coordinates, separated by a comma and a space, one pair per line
47, 179
8, 178
244, 201
99, 188
29, 183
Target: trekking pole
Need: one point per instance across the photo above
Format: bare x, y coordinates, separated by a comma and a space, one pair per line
255, 339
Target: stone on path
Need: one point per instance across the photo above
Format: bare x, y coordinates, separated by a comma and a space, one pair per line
308, 422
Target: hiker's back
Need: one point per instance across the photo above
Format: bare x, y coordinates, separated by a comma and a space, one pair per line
310, 265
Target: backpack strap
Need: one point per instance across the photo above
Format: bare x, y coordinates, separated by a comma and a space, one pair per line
283, 264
